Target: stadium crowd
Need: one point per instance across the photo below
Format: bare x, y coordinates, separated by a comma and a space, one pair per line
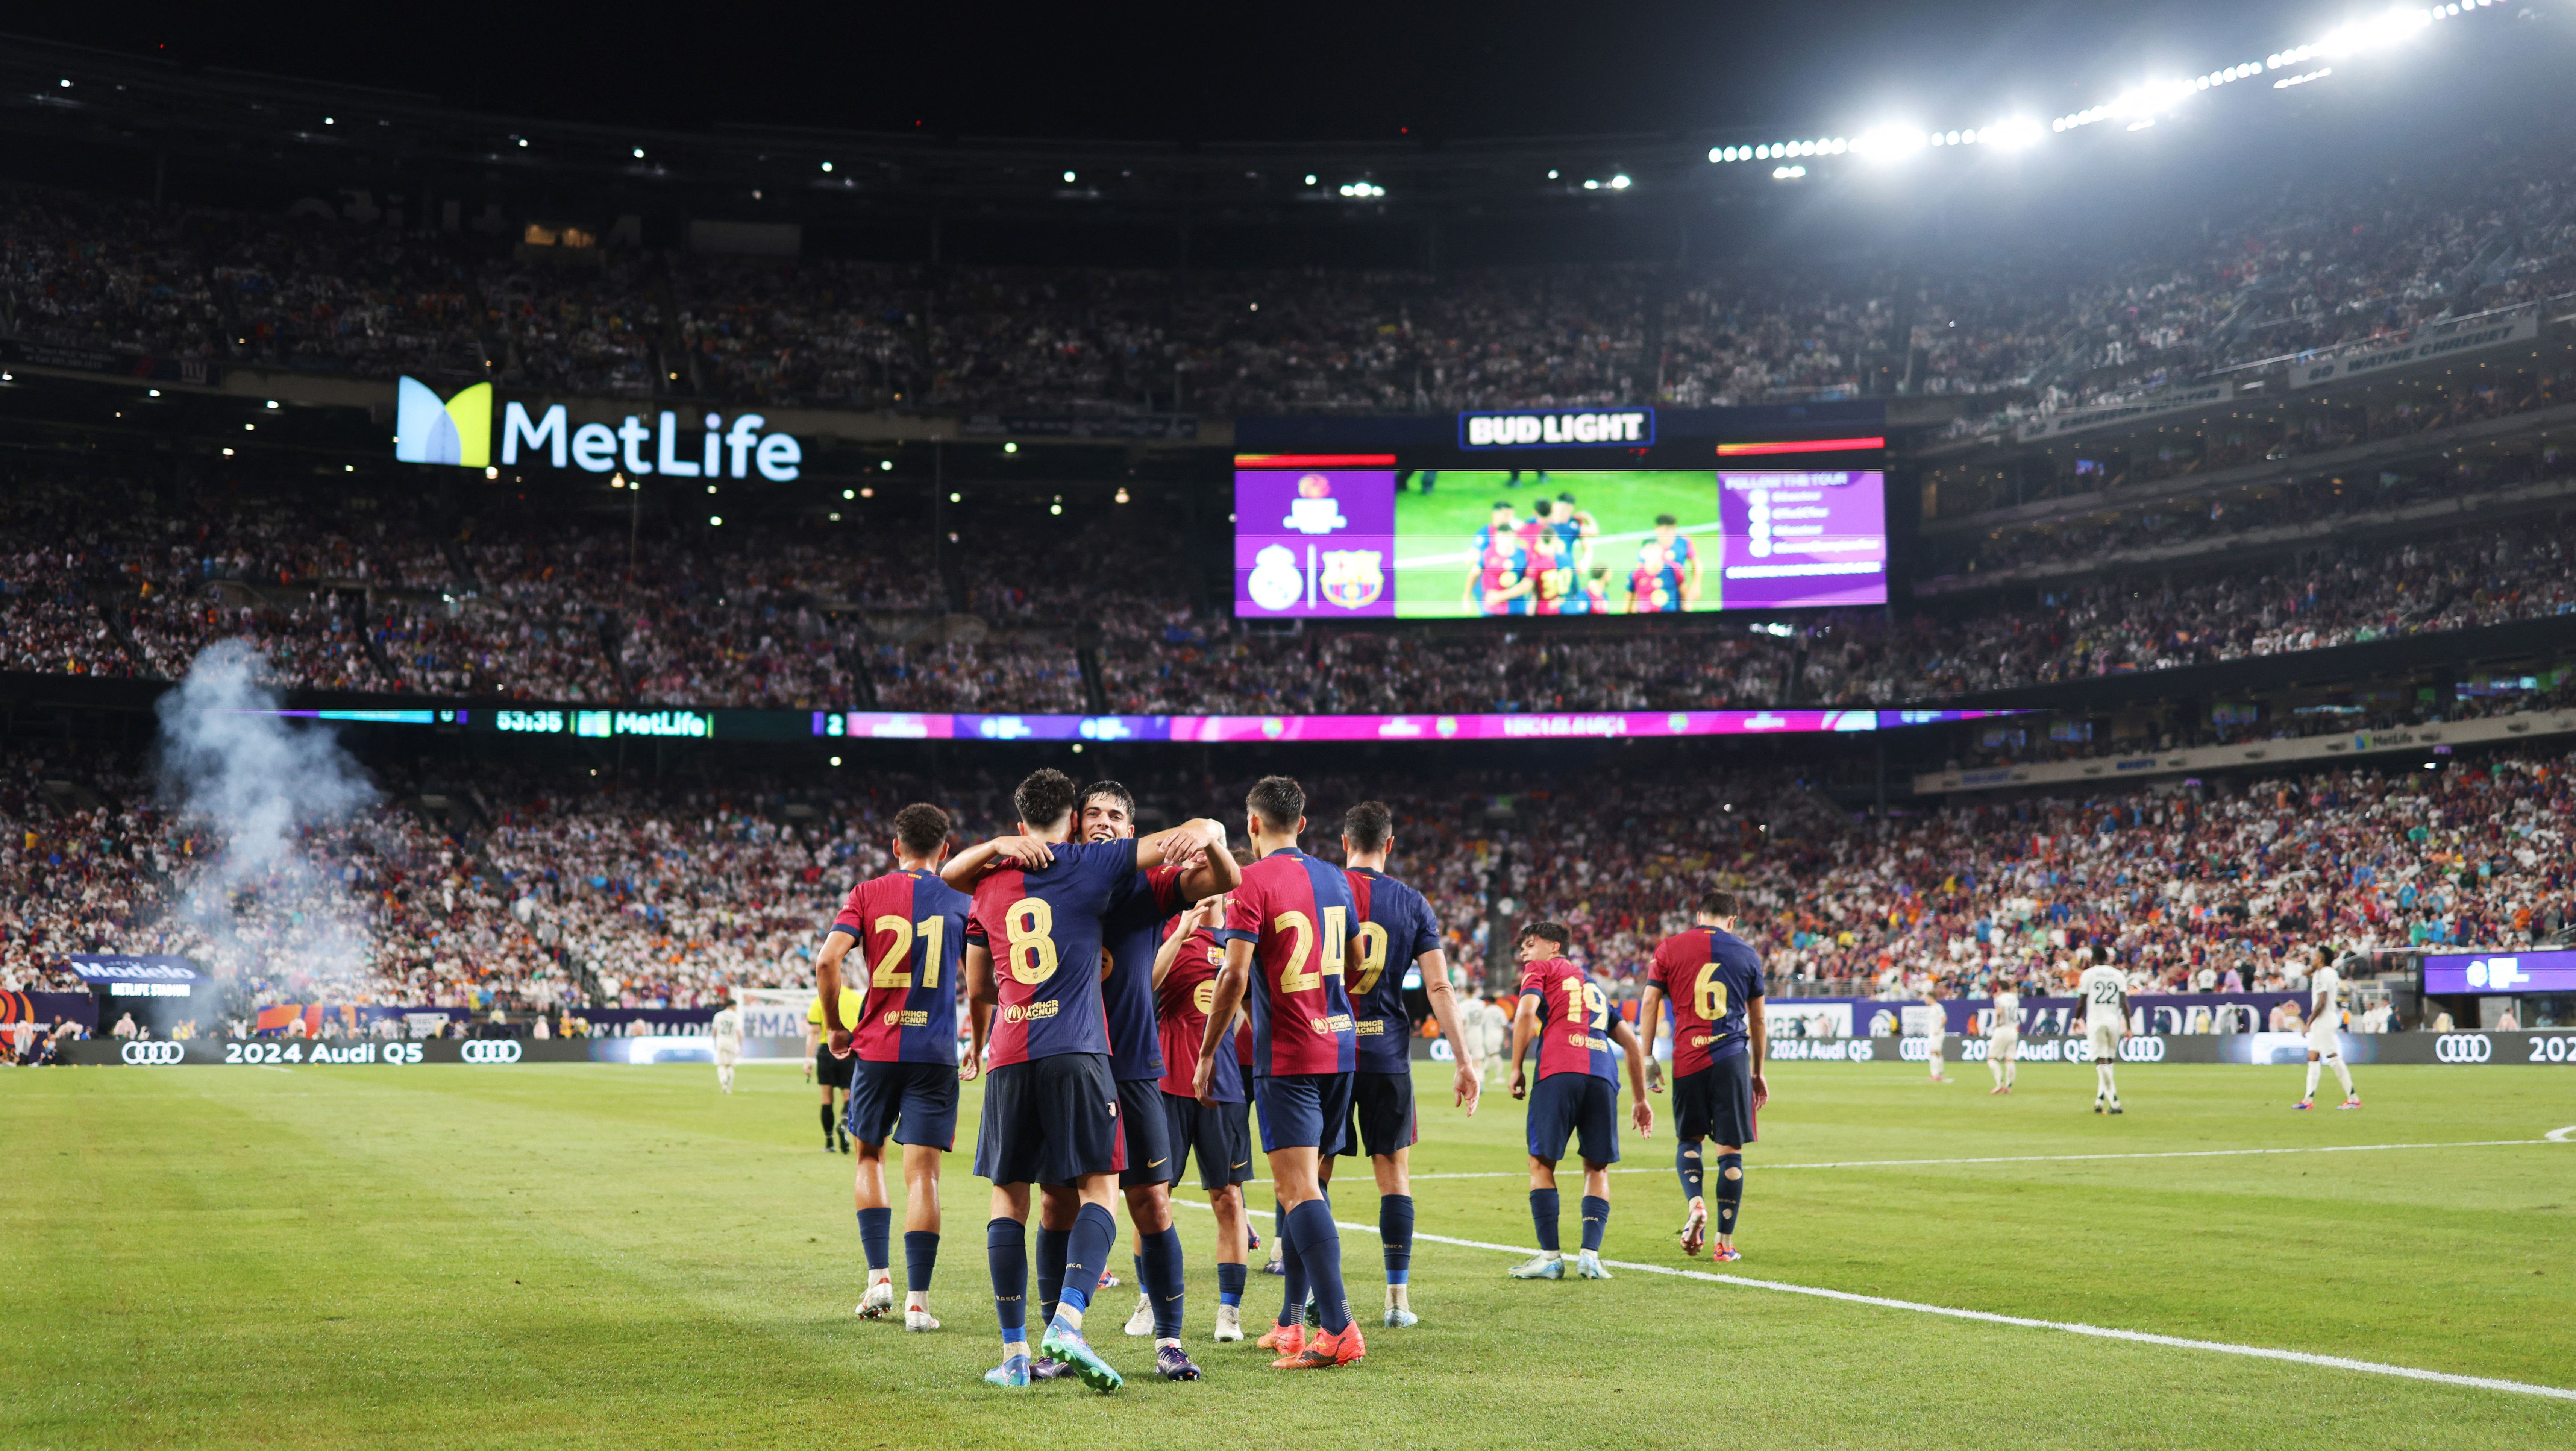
2322, 260
542, 892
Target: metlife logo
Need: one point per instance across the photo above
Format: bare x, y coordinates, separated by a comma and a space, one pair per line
458, 432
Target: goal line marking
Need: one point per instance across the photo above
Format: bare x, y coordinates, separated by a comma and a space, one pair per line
2071, 1327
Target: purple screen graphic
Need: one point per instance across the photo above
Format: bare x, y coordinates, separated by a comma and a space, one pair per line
1314, 543
2500, 972
1802, 539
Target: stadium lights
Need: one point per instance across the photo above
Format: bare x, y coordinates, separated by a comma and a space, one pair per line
867, 493
1619, 183
1787, 173
715, 519
1310, 177
1010, 448
827, 166
849, 493
885, 465
1363, 189
638, 153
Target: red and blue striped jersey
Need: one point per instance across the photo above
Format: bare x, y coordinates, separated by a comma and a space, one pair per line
1709, 976
1131, 929
1573, 1020
1395, 926
1297, 913
1182, 1003
1043, 930
910, 931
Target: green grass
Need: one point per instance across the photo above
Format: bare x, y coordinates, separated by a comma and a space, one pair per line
580, 1255
1443, 525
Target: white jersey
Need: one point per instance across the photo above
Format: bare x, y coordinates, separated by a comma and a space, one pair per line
2100, 988
2006, 1015
2324, 988
728, 1028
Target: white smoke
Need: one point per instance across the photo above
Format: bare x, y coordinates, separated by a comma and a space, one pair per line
268, 799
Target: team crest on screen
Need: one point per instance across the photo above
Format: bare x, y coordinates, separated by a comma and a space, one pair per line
1353, 577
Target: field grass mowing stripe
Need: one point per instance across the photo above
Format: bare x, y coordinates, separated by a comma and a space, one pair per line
2551, 1138
2071, 1327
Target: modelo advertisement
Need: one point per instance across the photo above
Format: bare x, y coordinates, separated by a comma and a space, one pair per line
1376, 543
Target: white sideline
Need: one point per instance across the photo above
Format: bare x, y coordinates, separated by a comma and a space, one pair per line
2071, 1327
2553, 1137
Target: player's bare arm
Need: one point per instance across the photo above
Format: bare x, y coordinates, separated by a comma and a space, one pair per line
827, 982
1757, 1028
1650, 1006
1206, 914
1467, 1084
1231, 981
983, 994
1640, 1112
1192, 839
965, 869
1524, 1028
1214, 873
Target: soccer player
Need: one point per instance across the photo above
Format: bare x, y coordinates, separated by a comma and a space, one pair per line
1292, 920
1936, 1031
1500, 583
1721, 1038
911, 929
726, 1028
1667, 574
830, 1074
1394, 930
1185, 973
1033, 967
2105, 996
2325, 1032
1130, 930
1577, 1095
2003, 1036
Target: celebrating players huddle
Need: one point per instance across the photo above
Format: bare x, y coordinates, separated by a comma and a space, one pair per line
1135, 997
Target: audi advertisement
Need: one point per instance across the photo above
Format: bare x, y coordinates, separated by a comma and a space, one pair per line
403, 1053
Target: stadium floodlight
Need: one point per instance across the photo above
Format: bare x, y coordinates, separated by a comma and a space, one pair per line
638, 153
1068, 176
1619, 183
1310, 177
1787, 173
1590, 185
885, 465
715, 519
827, 166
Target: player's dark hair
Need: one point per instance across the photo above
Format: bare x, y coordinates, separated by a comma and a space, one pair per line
1542, 507
1500, 504
1718, 902
1244, 856
1565, 498
1369, 825
1045, 798
1279, 801
1662, 520
1556, 932
920, 828
1111, 789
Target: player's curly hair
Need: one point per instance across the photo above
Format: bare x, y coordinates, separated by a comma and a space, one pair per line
1279, 801
1369, 825
1556, 932
1045, 798
920, 828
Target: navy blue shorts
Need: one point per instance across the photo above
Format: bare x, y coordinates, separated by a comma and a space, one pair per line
1577, 1106
908, 1103
1049, 1121
1304, 1111
1716, 1102
1148, 1132
1216, 1135
1381, 1113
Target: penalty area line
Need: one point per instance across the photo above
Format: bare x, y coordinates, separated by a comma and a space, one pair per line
2070, 1327
2555, 1136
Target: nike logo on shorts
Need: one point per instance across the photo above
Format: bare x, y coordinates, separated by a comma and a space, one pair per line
1157, 1161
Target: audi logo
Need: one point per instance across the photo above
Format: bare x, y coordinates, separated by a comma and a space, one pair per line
2142, 1050
490, 1050
2454, 1048
154, 1054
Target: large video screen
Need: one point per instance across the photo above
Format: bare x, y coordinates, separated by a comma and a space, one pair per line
1325, 543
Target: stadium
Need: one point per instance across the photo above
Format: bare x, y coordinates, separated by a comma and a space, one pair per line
1602, 635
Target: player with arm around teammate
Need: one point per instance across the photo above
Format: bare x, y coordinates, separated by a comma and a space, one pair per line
2105, 997
1287, 935
1721, 1038
1577, 1096
1395, 929
901, 1051
2325, 1032
1033, 967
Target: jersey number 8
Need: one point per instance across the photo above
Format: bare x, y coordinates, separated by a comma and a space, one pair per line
1031, 949
894, 965
1296, 977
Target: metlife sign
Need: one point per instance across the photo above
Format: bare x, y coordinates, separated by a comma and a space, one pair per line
458, 431
1558, 428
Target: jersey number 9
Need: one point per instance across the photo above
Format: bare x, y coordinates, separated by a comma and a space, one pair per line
1030, 921
1586, 1005
1296, 977
1371, 941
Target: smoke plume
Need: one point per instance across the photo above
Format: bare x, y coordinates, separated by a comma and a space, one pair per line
268, 802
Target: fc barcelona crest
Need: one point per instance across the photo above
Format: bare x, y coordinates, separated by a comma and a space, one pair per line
1353, 578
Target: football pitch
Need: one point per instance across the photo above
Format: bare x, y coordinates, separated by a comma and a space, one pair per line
587, 1255
1435, 533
